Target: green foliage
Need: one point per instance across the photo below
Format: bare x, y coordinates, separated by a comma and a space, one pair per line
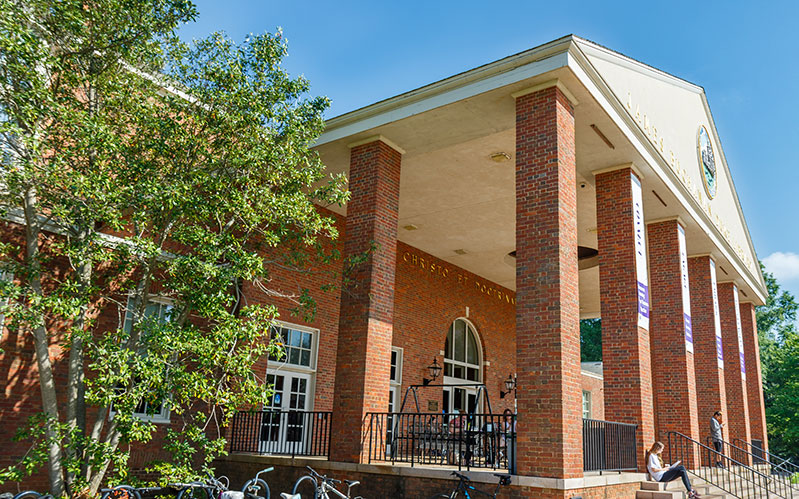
141, 167
779, 358
590, 340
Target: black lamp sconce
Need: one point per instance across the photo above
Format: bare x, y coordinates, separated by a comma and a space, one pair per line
435, 371
510, 386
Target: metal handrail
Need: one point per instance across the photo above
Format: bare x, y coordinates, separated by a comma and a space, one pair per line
735, 478
737, 450
770, 455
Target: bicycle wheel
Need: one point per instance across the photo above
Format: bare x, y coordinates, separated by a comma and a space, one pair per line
195, 492
28, 494
445, 496
256, 488
306, 486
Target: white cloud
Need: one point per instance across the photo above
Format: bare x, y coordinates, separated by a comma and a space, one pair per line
784, 266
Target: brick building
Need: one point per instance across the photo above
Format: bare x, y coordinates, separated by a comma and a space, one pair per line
507, 203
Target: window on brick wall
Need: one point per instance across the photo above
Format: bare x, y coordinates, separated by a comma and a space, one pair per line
4, 276
160, 309
462, 361
586, 404
298, 346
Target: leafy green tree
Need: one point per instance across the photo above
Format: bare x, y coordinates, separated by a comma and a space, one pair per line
590, 340
138, 166
779, 359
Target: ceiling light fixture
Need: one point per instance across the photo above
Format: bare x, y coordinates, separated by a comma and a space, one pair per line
460, 251
500, 157
410, 227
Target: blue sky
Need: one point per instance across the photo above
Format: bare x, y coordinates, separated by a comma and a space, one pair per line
742, 53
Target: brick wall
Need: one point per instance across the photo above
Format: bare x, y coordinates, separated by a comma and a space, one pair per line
383, 481
547, 312
737, 417
625, 345
711, 392
754, 376
367, 300
673, 376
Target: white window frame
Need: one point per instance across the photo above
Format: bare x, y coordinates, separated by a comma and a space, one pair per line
283, 364
5, 276
400, 355
465, 364
590, 402
164, 415
279, 367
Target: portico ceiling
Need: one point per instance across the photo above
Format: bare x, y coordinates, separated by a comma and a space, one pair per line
459, 199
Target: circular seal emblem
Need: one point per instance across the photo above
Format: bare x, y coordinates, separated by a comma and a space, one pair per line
707, 161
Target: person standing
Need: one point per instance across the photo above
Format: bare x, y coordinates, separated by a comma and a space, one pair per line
715, 435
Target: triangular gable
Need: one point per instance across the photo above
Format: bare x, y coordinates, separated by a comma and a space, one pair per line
672, 112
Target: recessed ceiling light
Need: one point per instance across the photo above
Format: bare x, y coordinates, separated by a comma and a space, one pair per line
460, 251
500, 157
410, 227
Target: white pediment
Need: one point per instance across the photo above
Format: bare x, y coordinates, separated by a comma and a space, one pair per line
671, 112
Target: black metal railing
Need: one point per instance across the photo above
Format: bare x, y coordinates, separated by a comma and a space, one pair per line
288, 433
744, 456
609, 446
485, 441
453, 440
778, 464
724, 471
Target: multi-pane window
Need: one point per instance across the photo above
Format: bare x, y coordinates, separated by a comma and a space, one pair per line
586, 404
461, 353
160, 309
396, 366
297, 346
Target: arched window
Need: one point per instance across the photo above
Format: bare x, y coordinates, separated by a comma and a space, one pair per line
462, 352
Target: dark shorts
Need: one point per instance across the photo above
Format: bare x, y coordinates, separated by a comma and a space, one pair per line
717, 446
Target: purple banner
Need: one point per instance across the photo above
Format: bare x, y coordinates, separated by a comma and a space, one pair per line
689, 335
643, 300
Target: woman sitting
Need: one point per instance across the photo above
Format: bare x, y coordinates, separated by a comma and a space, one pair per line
666, 473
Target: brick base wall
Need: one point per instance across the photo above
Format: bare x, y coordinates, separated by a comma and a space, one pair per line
398, 483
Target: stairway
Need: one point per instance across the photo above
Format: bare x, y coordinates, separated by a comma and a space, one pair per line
676, 490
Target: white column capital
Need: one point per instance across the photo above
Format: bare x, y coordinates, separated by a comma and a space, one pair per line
374, 138
548, 84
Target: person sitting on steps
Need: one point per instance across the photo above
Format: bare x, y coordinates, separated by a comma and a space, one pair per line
661, 473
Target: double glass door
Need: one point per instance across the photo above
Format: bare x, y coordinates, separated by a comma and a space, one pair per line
284, 431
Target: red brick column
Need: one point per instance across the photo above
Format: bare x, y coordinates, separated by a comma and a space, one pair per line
367, 299
737, 416
711, 395
547, 297
673, 376
627, 367
754, 378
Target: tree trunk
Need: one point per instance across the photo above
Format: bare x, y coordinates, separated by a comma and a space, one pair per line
76, 416
42, 345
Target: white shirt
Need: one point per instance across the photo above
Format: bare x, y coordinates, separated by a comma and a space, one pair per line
654, 463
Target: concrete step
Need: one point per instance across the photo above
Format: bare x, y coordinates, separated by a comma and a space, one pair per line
658, 494
676, 487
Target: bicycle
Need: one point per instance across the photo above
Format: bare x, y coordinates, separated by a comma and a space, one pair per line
216, 488
120, 492
323, 487
465, 487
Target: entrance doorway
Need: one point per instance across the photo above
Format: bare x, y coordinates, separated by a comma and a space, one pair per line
281, 430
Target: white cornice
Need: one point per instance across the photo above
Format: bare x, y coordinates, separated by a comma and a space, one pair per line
512, 69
